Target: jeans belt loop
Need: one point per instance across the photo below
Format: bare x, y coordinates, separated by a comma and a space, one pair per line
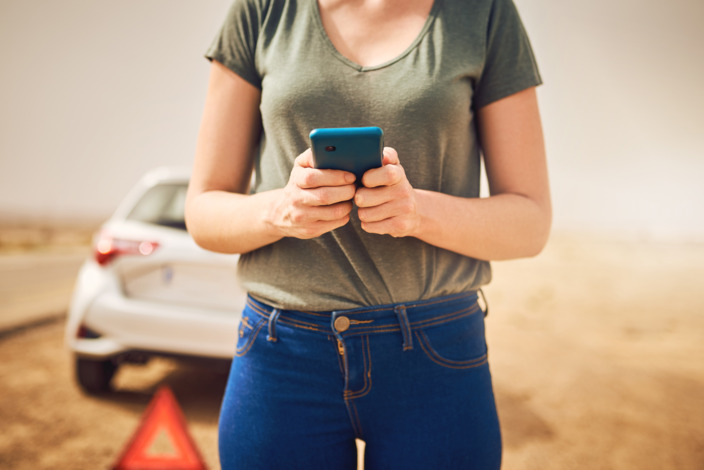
482, 297
400, 311
272, 325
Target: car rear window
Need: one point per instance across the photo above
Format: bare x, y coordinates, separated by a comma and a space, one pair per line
162, 205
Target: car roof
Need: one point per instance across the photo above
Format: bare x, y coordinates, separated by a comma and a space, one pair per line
166, 174
155, 177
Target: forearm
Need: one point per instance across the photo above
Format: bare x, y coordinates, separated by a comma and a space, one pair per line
504, 226
312, 203
230, 222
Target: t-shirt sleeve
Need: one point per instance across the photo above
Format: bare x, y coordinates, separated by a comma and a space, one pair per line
236, 42
510, 64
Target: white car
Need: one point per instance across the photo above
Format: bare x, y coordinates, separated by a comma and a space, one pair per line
149, 289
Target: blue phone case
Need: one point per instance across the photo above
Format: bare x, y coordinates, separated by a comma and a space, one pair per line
353, 149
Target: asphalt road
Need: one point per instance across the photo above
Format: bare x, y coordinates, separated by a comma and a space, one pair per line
36, 287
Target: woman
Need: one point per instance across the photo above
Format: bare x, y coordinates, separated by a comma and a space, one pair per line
363, 320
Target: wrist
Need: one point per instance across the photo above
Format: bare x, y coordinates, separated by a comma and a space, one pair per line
425, 211
271, 214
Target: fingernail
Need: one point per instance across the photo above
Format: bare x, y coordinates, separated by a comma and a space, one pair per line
349, 177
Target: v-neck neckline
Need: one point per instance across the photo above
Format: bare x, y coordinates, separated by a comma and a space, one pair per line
368, 68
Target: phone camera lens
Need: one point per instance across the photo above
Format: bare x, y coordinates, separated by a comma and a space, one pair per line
330, 148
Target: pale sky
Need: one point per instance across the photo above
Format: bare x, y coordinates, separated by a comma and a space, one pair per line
96, 93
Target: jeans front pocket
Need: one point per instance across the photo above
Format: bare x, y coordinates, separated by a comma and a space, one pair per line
456, 344
248, 331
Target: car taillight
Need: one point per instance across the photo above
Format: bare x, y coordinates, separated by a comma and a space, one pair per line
87, 333
107, 248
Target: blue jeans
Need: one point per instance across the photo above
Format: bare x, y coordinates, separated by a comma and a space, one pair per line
411, 380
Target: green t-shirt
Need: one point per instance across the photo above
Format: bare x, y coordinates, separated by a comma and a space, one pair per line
468, 54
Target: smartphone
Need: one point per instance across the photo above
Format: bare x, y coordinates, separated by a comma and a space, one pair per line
353, 149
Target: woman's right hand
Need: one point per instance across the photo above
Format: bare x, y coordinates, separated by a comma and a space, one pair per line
313, 202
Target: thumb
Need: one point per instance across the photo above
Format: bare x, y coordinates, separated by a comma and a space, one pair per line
305, 160
390, 156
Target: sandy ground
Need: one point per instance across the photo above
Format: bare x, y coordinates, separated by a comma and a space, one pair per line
597, 356
595, 349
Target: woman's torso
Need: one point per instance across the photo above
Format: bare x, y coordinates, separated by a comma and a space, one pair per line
423, 99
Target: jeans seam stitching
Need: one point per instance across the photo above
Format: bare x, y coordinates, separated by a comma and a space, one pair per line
250, 341
423, 303
435, 357
419, 324
354, 418
368, 330
367, 358
293, 323
448, 317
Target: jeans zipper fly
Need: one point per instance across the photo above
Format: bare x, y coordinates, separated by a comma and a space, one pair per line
340, 348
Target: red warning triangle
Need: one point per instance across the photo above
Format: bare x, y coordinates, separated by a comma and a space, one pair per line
162, 441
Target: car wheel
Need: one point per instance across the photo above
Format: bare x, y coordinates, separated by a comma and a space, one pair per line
94, 376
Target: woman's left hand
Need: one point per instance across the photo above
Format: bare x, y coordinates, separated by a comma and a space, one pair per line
387, 201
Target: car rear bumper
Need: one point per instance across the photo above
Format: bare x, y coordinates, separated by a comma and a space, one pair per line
125, 325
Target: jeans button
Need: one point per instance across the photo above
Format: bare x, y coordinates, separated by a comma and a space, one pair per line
342, 324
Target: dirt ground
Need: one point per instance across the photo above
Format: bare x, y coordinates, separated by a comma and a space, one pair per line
598, 358
595, 347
